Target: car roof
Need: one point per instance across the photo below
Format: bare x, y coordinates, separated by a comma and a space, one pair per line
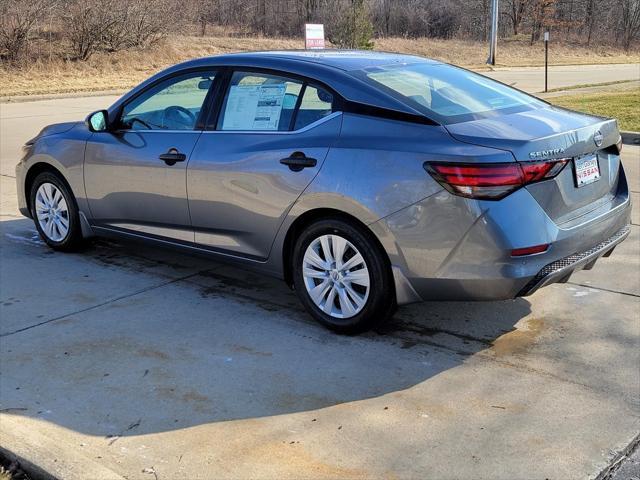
334, 68
347, 60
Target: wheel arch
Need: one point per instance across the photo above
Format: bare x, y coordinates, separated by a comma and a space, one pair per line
310, 216
35, 170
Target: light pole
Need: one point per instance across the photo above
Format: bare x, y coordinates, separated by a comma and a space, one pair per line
493, 42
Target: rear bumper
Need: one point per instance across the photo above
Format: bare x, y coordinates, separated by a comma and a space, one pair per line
561, 270
451, 248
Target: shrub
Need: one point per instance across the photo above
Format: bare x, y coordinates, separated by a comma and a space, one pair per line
354, 29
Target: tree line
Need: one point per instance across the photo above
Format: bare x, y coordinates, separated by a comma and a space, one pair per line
84, 27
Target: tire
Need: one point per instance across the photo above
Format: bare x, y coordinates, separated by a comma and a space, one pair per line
64, 232
350, 296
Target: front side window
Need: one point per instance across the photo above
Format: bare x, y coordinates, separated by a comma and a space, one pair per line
174, 104
449, 94
259, 102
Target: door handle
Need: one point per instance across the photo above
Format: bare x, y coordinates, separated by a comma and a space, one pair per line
172, 156
297, 161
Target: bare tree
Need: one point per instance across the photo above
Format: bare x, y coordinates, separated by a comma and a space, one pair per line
80, 28
516, 11
630, 20
146, 25
589, 18
542, 12
87, 24
113, 25
18, 19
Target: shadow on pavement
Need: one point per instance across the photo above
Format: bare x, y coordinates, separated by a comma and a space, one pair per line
134, 340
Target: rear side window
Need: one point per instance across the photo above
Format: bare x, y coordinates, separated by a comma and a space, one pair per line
316, 104
265, 102
257, 102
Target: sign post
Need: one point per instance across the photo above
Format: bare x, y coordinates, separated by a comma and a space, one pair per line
313, 36
546, 60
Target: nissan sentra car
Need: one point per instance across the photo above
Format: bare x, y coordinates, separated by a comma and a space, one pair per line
365, 180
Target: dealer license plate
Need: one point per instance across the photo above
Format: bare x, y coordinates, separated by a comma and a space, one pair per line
587, 170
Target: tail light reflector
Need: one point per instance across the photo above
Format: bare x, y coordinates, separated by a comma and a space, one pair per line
520, 252
491, 181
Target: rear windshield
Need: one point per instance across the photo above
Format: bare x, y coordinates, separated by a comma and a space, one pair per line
448, 94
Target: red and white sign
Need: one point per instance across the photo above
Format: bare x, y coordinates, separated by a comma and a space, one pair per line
313, 35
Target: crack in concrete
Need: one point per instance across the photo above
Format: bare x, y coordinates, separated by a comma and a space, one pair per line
8, 176
485, 355
102, 304
603, 289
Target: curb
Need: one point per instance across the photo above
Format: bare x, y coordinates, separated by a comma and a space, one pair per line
49, 458
630, 138
31, 469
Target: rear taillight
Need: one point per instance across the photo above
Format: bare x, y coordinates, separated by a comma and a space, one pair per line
491, 181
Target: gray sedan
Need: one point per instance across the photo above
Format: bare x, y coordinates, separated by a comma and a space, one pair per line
365, 180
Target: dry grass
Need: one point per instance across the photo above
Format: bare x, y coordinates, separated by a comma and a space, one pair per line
510, 53
123, 70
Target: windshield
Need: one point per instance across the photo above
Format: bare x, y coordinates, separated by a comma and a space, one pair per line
448, 94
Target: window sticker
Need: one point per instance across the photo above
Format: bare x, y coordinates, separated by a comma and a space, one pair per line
254, 107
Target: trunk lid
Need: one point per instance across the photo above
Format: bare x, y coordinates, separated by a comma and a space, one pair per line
548, 133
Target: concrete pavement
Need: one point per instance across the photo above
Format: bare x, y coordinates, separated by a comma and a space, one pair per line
531, 79
125, 361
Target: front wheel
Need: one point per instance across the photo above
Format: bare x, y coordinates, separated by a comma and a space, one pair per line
55, 213
341, 277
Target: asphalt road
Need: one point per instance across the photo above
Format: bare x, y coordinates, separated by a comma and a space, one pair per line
128, 361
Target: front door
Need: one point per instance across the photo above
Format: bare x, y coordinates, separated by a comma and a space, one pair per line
271, 137
135, 175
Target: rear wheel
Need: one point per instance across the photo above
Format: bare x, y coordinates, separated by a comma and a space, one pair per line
341, 277
55, 212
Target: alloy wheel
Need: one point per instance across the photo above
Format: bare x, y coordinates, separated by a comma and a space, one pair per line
52, 212
336, 276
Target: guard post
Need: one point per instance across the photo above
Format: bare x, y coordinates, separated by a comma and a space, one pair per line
546, 61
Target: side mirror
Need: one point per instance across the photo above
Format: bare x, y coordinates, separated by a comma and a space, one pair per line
205, 84
98, 121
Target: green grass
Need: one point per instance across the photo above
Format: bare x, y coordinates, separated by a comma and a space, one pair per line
623, 105
587, 85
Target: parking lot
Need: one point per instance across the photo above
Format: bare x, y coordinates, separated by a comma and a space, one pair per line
125, 361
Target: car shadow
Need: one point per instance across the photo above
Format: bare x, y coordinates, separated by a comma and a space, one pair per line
152, 341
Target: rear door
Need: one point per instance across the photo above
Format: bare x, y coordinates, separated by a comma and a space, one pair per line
269, 139
135, 175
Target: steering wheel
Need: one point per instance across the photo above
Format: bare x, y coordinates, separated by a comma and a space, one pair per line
140, 121
177, 115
